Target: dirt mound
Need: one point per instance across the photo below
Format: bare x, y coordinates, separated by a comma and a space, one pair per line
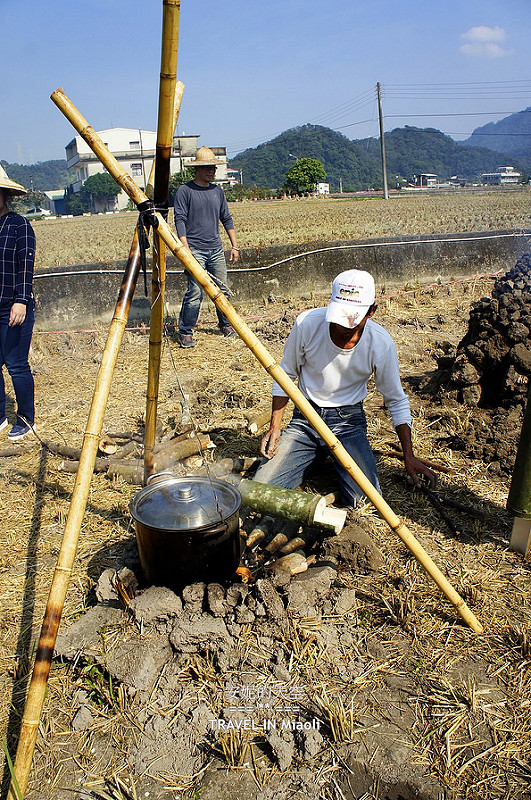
486, 374
493, 361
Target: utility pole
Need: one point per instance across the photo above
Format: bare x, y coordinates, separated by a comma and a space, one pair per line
382, 142
341, 186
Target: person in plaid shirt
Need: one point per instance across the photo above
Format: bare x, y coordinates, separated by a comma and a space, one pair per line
17, 256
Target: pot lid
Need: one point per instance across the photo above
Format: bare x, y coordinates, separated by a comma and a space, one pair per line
185, 503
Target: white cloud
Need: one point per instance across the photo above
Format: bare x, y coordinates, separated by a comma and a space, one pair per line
482, 33
485, 50
483, 42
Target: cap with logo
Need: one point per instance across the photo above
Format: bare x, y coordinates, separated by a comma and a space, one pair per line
353, 294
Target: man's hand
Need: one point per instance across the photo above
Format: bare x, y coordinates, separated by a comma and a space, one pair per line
268, 446
234, 255
414, 468
17, 314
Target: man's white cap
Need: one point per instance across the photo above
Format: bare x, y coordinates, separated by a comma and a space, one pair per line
353, 294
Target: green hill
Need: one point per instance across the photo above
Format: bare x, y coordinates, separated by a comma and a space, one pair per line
357, 163
44, 176
267, 164
510, 136
410, 151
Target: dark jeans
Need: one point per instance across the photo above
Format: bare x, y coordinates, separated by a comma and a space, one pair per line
14, 348
300, 445
213, 261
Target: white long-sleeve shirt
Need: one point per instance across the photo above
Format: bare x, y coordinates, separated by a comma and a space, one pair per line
330, 376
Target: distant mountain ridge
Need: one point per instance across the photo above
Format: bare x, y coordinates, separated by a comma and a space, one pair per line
357, 163
43, 176
510, 136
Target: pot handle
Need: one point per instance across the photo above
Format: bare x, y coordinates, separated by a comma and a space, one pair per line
221, 528
158, 475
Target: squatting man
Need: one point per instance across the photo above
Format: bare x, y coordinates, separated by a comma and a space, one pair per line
333, 352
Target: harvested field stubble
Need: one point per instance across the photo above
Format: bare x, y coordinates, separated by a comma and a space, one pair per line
400, 685
103, 238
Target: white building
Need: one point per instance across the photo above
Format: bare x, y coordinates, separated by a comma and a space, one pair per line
134, 150
322, 188
425, 179
504, 176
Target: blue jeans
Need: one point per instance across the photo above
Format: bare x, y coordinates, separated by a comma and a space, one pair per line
14, 348
213, 261
299, 446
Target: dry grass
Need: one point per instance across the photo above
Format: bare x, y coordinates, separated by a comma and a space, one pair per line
85, 240
467, 695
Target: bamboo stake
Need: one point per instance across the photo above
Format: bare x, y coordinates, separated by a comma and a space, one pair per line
267, 361
78, 502
167, 119
61, 578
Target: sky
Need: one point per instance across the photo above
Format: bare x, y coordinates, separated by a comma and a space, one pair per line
252, 70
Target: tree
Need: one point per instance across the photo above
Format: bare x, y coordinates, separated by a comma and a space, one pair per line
303, 175
76, 203
101, 186
177, 179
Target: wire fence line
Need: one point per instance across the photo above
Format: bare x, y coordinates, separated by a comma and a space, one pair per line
409, 242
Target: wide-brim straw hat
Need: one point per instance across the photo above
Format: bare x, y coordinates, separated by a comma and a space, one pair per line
205, 157
9, 185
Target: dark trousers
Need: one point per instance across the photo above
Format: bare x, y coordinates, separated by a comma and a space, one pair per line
14, 348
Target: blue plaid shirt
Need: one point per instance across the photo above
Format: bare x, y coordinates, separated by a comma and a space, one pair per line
17, 256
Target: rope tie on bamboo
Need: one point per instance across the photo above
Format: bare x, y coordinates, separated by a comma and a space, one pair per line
146, 219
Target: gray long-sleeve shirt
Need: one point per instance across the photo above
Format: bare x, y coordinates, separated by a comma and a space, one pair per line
332, 377
198, 212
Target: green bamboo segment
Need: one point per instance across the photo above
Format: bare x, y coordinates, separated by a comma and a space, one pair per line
268, 362
287, 503
167, 119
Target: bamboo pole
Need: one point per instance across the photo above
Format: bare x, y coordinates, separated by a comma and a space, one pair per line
167, 119
65, 560
267, 360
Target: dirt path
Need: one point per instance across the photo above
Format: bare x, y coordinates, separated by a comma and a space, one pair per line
406, 697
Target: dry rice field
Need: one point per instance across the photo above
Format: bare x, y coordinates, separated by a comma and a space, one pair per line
106, 238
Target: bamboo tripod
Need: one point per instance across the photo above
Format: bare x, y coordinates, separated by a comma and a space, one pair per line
265, 358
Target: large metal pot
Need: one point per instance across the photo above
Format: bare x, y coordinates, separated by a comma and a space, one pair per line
187, 530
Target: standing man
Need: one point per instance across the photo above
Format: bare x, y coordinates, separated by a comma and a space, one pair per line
333, 352
200, 206
17, 256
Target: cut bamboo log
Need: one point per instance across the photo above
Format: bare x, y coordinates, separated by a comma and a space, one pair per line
258, 420
175, 450
223, 467
131, 448
268, 362
130, 472
260, 531
107, 446
297, 543
294, 563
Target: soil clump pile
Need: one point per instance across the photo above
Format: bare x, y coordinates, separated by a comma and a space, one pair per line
488, 371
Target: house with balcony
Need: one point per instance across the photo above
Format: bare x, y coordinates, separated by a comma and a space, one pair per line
504, 176
134, 149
